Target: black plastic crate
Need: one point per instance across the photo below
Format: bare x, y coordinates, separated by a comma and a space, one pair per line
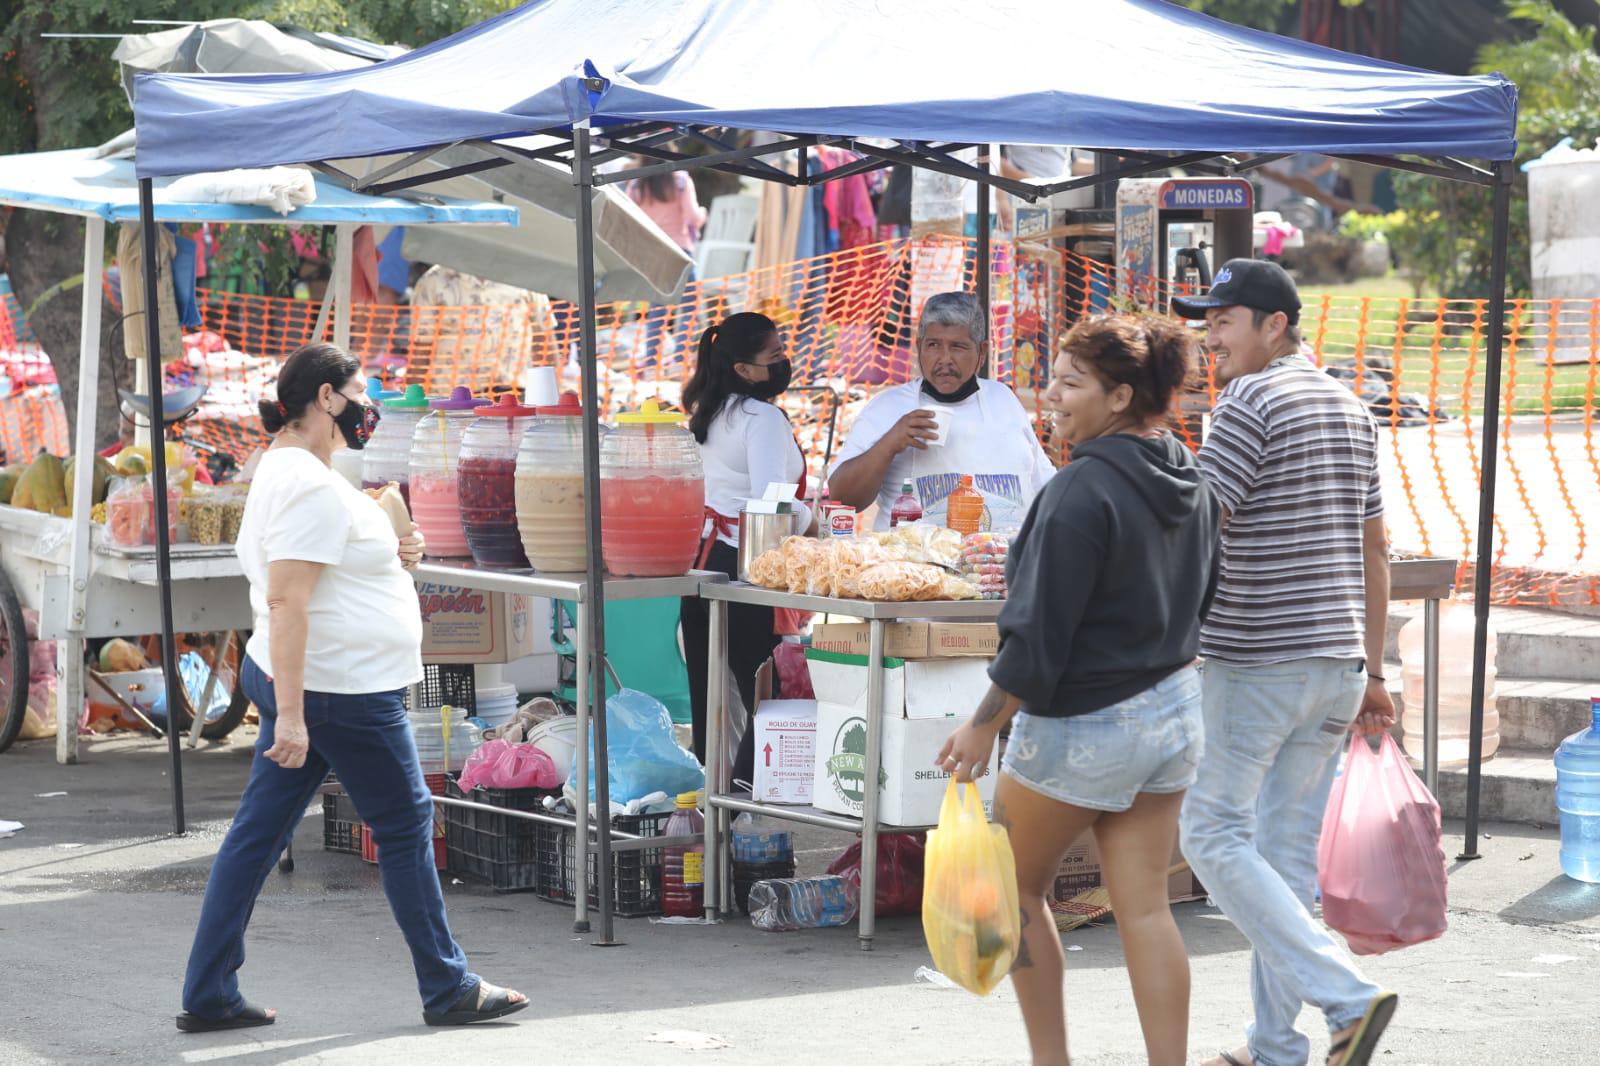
448, 683
636, 875
341, 825
497, 849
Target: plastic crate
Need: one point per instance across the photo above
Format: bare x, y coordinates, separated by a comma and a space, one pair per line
448, 683
341, 825
497, 849
636, 875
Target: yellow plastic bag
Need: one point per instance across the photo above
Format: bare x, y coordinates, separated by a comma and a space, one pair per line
969, 894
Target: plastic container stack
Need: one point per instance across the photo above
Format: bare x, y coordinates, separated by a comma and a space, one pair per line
487, 484
983, 563
652, 495
762, 851
1456, 625
434, 752
435, 462
549, 489
387, 456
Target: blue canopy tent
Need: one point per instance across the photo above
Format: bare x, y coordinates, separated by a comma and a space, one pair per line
1154, 83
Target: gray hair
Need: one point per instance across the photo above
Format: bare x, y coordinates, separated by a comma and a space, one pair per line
954, 309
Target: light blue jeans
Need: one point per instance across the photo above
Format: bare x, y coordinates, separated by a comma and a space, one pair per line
1250, 828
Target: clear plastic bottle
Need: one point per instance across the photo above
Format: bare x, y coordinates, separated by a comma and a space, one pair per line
907, 509
387, 456
487, 481
683, 880
762, 851
964, 509
1578, 800
549, 489
435, 461
791, 903
652, 495
1456, 627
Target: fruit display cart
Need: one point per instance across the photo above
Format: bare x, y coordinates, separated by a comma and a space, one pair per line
55, 561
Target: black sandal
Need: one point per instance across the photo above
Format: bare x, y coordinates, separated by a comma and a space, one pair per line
248, 1017
497, 1003
1227, 1056
1357, 1048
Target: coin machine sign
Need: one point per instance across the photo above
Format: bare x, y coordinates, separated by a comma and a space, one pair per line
1172, 232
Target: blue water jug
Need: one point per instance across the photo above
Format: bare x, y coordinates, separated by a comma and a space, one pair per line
1578, 800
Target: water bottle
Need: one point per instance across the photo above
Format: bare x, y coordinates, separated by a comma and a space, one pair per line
789, 903
762, 851
1578, 800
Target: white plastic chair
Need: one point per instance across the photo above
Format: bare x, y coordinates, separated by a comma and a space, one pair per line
728, 243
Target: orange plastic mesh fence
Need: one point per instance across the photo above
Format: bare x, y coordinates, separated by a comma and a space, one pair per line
848, 320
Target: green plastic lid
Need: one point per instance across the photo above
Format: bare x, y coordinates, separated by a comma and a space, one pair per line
412, 399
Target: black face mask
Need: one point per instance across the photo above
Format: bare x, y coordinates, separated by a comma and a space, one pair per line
777, 383
356, 423
965, 391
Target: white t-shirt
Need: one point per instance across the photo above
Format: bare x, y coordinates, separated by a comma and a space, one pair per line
991, 438
364, 628
749, 445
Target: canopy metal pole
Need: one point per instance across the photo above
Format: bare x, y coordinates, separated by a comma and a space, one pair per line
1482, 578
985, 260
595, 590
343, 279
158, 469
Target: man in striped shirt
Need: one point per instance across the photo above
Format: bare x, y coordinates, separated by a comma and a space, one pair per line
1299, 613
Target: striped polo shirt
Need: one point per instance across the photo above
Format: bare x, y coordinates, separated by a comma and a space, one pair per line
1293, 456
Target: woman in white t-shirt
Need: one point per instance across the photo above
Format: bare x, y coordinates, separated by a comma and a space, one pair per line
895, 439
746, 443
337, 639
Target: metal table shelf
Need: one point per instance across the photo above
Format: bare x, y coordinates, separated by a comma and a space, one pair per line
574, 587
719, 801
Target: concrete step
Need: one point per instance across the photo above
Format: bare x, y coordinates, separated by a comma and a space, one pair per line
1534, 715
1517, 786
1531, 643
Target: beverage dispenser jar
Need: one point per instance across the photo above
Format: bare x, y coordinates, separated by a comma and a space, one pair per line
435, 458
652, 495
387, 456
1456, 624
550, 496
487, 484
351, 463
1578, 800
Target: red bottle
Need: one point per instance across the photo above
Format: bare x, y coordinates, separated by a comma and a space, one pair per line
906, 509
683, 881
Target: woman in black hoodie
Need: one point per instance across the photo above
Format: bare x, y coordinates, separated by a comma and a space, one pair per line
1110, 577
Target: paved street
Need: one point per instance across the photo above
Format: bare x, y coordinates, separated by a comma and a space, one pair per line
97, 907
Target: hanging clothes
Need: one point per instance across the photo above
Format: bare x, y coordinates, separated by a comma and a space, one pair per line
130, 264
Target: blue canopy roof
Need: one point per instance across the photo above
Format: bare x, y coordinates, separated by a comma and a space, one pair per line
75, 182
1131, 74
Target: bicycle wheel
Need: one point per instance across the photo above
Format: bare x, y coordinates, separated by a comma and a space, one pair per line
13, 662
231, 656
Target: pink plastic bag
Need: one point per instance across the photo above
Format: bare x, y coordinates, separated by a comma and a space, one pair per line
502, 764
1381, 862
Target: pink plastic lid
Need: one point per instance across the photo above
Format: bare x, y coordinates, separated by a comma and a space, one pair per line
460, 399
569, 407
507, 407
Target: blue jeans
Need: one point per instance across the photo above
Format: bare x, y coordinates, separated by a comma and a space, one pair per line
367, 740
1250, 828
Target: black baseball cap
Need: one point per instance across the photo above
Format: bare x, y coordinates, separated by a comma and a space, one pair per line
1253, 283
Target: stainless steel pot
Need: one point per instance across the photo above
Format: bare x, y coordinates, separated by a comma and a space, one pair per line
761, 533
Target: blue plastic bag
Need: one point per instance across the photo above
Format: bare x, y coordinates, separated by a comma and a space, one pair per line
192, 671
645, 756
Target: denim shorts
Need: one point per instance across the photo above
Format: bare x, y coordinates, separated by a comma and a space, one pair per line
1150, 742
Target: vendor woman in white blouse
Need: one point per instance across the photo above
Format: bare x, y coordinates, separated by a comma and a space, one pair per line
746, 443
895, 438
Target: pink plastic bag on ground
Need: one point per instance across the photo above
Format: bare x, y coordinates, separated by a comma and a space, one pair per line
502, 764
1381, 862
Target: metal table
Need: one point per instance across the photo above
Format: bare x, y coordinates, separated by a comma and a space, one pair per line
719, 803
1428, 580
574, 587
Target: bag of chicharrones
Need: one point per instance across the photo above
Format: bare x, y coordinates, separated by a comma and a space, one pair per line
969, 894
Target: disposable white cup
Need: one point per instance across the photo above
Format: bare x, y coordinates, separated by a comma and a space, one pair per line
942, 418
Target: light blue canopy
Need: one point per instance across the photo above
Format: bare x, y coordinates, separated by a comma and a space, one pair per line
1130, 74
75, 182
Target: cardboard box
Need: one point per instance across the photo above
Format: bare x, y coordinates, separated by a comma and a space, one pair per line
1080, 872
461, 625
910, 786
786, 749
911, 640
928, 688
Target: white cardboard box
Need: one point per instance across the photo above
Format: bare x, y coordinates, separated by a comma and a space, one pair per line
931, 688
910, 786
786, 745
461, 625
